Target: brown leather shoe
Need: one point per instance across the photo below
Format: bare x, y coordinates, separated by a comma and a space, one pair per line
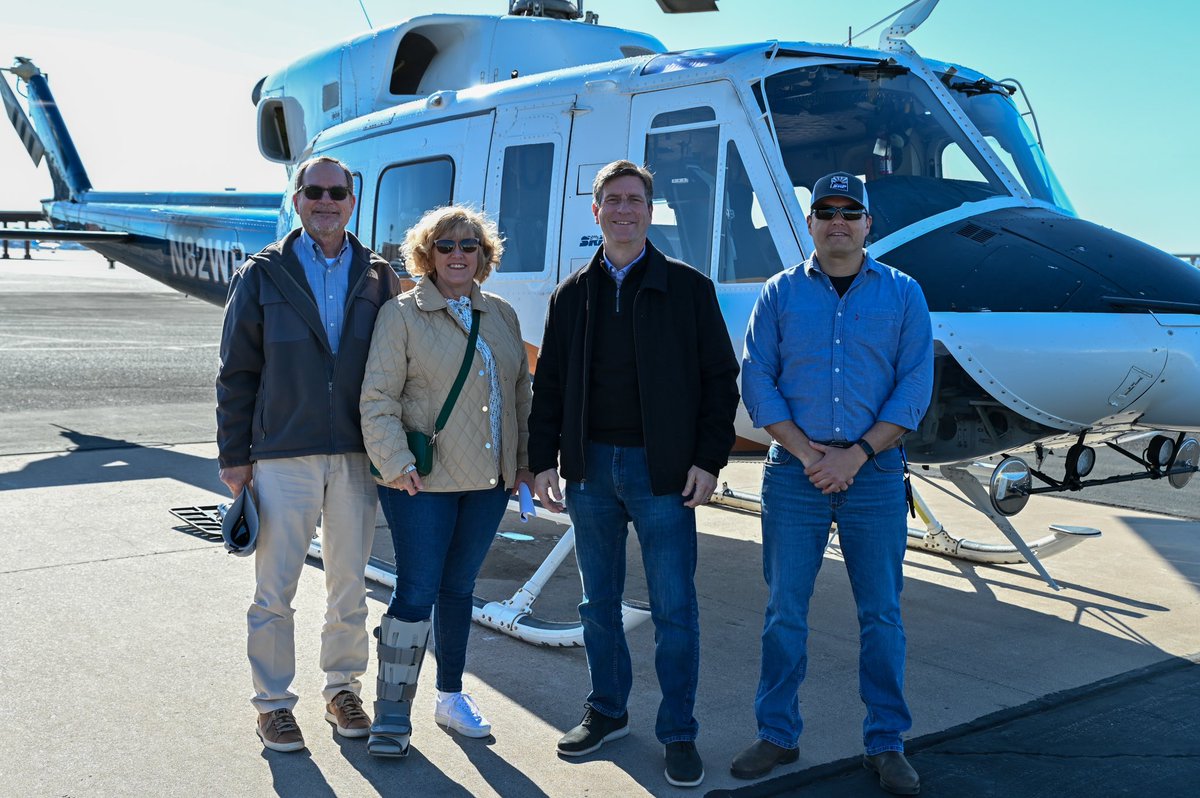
279, 731
760, 759
895, 774
346, 712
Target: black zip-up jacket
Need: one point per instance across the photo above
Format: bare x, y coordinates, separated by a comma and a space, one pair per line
687, 373
281, 392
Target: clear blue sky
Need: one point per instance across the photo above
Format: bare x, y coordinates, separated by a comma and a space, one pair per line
157, 92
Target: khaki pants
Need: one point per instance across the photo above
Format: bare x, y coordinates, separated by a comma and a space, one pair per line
291, 494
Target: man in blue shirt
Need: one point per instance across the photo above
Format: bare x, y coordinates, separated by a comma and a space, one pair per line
838, 365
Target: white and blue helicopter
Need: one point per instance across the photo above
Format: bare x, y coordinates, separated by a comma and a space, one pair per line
1051, 331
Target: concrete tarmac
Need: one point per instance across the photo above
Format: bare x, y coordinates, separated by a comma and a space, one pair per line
122, 650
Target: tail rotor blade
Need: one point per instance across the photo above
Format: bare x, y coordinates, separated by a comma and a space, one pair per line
16, 115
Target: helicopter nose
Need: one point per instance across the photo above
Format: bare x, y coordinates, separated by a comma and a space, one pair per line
1067, 323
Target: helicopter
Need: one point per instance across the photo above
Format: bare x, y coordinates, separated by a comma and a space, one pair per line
1051, 332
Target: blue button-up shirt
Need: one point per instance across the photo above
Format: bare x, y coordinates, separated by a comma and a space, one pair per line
620, 274
329, 280
836, 365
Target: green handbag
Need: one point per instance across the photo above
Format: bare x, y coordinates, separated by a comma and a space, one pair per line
420, 444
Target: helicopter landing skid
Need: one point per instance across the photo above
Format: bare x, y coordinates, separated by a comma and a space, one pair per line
514, 616
935, 538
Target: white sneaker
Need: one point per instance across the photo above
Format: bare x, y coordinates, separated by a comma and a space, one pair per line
457, 711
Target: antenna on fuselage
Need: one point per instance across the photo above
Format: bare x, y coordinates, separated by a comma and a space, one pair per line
363, 6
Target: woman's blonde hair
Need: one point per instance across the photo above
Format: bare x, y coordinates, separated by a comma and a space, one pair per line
448, 222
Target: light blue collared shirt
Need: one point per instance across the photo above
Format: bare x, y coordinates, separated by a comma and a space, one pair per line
330, 281
619, 274
836, 365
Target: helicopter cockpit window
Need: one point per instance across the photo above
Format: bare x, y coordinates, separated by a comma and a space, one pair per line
746, 253
683, 160
406, 192
525, 206
991, 108
883, 123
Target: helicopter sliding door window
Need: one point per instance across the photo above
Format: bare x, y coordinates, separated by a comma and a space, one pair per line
525, 206
681, 153
406, 192
746, 251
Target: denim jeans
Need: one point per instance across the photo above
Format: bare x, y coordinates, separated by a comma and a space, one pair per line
872, 533
441, 540
616, 491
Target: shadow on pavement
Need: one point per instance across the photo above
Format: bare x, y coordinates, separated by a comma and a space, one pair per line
1135, 734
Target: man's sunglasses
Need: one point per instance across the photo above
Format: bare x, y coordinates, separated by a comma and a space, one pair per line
336, 193
849, 214
446, 245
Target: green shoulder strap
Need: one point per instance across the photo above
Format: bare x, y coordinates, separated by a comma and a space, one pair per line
444, 416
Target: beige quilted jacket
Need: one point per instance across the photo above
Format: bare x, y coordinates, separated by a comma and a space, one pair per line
416, 352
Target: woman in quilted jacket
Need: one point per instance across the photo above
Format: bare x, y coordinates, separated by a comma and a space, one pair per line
443, 521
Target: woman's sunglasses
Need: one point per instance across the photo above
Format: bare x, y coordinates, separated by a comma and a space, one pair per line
446, 245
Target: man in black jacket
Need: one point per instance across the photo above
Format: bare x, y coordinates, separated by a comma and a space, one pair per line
294, 343
633, 401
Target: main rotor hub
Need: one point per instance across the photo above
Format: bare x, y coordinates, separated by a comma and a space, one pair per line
553, 9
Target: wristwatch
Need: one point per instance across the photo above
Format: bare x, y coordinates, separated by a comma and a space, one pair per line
866, 447
408, 469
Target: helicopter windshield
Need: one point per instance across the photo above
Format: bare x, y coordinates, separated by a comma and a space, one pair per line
990, 107
884, 124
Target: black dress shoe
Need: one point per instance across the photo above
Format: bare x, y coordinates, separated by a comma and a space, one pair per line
593, 731
760, 759
895, 774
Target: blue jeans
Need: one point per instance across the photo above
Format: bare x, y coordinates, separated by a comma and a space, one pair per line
441, 540
616, 491
872, 533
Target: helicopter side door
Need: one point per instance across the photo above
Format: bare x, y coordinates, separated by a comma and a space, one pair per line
715, 205
524, 196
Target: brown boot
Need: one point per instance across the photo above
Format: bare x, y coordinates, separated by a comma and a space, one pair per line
895, 774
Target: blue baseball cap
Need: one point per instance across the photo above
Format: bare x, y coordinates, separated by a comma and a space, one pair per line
841, 184
239, 527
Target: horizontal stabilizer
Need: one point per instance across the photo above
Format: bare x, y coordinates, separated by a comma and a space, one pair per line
29, 136
47, 234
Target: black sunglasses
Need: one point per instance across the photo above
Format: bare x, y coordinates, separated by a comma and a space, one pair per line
336, 193
849, 214
446, 245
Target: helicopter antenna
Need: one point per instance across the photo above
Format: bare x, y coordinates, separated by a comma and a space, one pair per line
363, 6
850, 39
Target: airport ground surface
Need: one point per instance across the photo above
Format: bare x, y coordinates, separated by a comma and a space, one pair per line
122, 666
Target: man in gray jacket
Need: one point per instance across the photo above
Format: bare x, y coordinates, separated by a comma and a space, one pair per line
294, 343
